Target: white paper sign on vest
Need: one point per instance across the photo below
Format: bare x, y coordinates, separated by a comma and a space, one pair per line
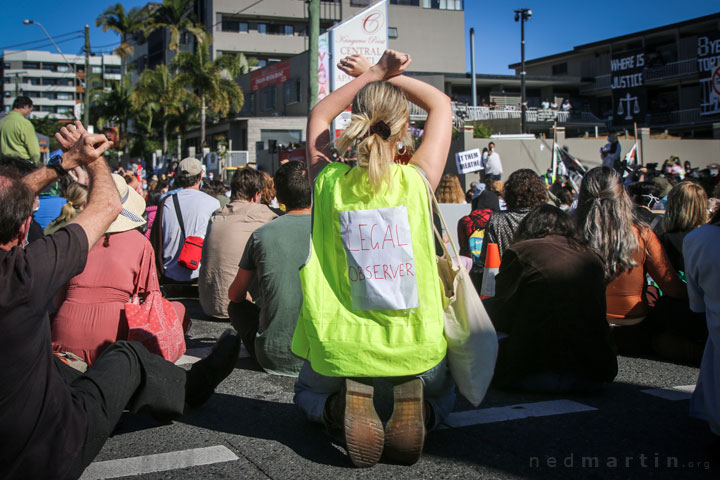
380, 260
468, 161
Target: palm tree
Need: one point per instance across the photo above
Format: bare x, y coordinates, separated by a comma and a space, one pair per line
114, 18
212, 81
177, 16
158, 91
116, 106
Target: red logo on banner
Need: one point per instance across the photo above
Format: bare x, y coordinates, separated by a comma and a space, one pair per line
372, 23
271, 75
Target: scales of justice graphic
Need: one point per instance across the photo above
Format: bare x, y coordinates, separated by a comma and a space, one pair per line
627, 100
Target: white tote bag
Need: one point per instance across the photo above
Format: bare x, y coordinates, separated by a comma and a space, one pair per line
471, 338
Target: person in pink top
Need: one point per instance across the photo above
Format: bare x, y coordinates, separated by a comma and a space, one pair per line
91, 312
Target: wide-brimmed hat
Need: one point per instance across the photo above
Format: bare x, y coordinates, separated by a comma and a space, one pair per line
133, 205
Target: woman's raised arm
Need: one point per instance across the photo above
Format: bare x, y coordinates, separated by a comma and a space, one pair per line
318, 137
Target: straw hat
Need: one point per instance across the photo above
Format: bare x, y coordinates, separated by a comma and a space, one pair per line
133, 205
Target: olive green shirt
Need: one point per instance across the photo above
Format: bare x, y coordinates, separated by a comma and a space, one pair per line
18, 138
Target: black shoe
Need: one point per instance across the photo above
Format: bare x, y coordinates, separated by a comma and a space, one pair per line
205, 375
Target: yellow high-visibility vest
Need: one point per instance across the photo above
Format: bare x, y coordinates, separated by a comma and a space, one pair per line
372, 298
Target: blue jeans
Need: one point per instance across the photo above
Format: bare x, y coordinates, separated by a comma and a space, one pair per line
313, 389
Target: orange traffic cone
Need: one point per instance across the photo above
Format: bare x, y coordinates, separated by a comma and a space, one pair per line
492, 266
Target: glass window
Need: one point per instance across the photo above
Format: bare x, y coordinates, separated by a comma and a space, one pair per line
64, 96
262, 62
291, 91
64, 109
31, 65
229, 25
289, 30
49, 95
262, 27
112, 69
267, 98
243, 27
359, 3
96, 69
33, 81
63, 68
414, 3
50, 67
560, 69
392, 32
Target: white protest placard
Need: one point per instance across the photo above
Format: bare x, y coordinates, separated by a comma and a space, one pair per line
365, 33
469, 161
380, 260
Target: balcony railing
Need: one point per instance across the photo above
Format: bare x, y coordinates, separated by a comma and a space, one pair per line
670, 70
602, 82
678, 117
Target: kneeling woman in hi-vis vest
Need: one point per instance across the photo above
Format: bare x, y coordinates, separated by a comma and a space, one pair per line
372, 308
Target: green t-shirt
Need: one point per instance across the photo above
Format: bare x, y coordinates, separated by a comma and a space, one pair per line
275, 252
18, 138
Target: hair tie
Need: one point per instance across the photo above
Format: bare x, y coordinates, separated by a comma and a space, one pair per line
379, 128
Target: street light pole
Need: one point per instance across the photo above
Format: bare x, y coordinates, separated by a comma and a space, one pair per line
73, 69
522, 15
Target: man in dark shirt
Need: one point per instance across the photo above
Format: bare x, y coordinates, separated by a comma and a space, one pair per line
54, 420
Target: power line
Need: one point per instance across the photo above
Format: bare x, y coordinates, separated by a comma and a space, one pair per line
40, 41
37, 47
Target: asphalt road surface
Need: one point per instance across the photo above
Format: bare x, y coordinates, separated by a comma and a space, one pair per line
637, 428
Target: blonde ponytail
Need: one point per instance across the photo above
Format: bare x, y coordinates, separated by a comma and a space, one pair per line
378, 123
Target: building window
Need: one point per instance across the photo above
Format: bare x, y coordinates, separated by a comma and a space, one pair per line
63, 68
267, 98
8, 66
414, 3
443, 4
64, 109
560, 69
49, 95
392, 32
249, 105
289, 30
33, 81
262, 27
232, 25
291, 91
31, 66
95, 69
112, 70
359, 3
64, 96
50, 67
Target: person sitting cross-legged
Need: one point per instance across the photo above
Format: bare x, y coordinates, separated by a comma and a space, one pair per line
227, 234
273, 256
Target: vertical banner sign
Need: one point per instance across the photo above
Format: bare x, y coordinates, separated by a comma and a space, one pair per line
628, 87
468, 161
708, 55
364, 34
323, 66
380, 260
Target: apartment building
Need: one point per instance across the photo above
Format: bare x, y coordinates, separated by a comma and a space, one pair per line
55, 83
665, 78
273, 30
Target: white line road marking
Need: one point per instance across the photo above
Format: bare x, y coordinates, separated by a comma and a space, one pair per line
515, 412
193, 355
158, 463
674, 394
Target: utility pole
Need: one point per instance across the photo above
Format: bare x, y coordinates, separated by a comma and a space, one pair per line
314, 32
522, 16
472, 67
86, 115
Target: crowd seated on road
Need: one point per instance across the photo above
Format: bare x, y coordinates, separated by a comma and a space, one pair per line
612, 261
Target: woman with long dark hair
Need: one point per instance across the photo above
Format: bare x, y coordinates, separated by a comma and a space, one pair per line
550, 301
630, 250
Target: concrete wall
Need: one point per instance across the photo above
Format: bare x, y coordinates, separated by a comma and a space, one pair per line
536, 154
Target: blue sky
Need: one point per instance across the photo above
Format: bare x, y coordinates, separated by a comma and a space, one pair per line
556, 25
